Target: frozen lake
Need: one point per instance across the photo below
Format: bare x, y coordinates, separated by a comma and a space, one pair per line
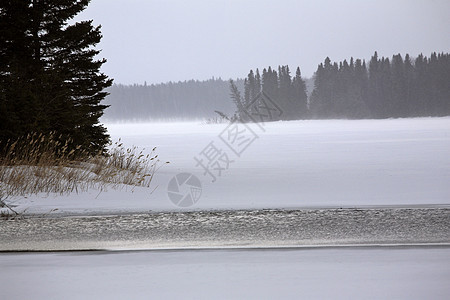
329, 273
295, 164
338, 164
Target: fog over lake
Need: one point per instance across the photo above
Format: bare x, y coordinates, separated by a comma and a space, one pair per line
161, 41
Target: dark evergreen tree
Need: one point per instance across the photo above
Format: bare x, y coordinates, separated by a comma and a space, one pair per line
342, 82
399, 101
438, 77
380, 87
410, 79
386, 88
299, 94
251, 81
375, 95
316, 102
358, 92
323, 97
421, 105
284, 93
49, 78
258, 85
270, 82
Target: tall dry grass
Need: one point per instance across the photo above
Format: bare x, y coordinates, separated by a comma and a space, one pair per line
41, 163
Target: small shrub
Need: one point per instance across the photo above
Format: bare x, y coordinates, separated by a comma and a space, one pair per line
43, 164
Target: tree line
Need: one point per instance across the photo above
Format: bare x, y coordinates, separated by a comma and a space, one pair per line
288, 92
400, 87
195, 99
383, 88
191, 99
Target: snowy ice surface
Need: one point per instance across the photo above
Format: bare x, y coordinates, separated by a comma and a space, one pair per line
314, 163
329, 273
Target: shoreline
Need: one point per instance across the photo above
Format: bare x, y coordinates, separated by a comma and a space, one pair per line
118, 213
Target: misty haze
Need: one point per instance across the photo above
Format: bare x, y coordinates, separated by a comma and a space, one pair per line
225, 149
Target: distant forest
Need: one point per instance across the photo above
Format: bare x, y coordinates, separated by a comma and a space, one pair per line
169, 101
288, 92
400, 87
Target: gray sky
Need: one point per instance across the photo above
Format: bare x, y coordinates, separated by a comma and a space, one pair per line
172, 40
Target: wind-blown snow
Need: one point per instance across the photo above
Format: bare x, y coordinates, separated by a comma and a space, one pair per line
291, 164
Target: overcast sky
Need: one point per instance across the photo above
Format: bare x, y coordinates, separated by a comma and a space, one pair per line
172, 40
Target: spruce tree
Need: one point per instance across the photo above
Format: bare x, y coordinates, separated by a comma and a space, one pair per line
317, 97
270, 83
421, 104
257, 82
386, 88
361, 89
283, 95
323, 97
410, 80
399, 90
251, 81
373, 93
49, 77
300, 96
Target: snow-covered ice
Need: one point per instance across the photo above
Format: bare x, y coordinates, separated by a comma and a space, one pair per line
290, 165
330, 273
